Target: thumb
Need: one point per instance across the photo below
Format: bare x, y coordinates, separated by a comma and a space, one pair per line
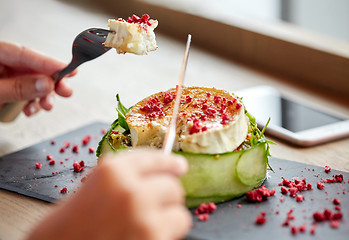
25, 87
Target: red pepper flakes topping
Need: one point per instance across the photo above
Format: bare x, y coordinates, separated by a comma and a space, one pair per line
52, 162
143, 20
335, 179
259, 194
210, 111
62, 150
294, 230
86, 140
206, 208
53, 142
114, 132
168, 97
64, 190
197, 127
260, 219
327, 215
289, 217
299, 198
313, 230
327, 169
79, 166
66, 144
204, 107
293, 191
320, 185
208, 94
217, 98
338, 208
302, 228
186, 100
334, 224
225, 118
203, 217
56, 186
49, 157
336, 201
75, 149
238, 106
284, 190
38, 165
294, 186
91, 150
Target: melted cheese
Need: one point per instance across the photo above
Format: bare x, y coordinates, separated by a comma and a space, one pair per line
210, 120
131, 37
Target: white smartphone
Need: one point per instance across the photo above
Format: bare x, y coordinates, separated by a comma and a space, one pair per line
293, 121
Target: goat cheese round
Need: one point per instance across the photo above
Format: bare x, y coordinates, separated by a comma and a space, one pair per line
210, 120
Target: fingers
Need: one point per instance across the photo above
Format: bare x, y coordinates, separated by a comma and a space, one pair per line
47, 102
22, 57
166, 190
25, 87
152, 161
31, 108
176, 222
63, 88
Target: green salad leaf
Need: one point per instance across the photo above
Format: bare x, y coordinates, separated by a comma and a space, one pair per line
122, 110
257, 136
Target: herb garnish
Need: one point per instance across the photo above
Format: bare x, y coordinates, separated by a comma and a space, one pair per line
257, 136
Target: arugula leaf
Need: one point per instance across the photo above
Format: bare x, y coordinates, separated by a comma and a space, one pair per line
257, 136
122, 110
121, 107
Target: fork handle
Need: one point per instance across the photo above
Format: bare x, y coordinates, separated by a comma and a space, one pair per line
10, 111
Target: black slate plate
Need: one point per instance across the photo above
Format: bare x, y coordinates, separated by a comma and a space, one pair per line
19, 174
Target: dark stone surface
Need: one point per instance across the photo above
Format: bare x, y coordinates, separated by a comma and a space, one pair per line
19, 174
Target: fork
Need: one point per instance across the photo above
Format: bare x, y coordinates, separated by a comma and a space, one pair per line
87, 46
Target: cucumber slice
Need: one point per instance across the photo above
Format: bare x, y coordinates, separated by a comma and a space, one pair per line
252, 165
212, 178
215, 178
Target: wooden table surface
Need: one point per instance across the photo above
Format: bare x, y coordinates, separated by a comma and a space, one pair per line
50, 27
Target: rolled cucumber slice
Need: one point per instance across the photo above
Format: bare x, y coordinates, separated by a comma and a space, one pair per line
217, 178
252, 165
214, 178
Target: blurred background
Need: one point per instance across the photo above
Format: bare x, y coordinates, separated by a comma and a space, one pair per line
300, 47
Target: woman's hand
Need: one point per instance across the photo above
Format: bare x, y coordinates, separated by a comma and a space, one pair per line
133, 195
25, 76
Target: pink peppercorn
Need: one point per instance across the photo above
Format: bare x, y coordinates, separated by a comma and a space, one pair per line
336, 201
91, 150
260, 220
75, 149
334, 224
52, 162
38, 165
64, 190
284, 190
49, 157
86, 140
327, 169
299, 198
320, 185
203, 217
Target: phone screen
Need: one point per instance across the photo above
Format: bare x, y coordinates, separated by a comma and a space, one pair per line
285, 113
